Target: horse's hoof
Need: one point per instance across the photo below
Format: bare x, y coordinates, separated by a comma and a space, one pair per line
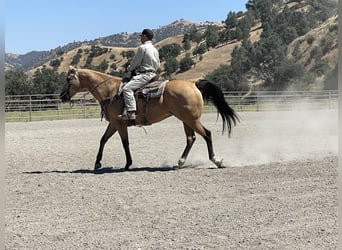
176, 167
219, 164
97, 165
180, 163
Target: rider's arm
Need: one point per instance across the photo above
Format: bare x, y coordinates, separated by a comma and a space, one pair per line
136, 62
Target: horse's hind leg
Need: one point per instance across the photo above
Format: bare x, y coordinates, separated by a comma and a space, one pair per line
206, 134
190, 139
108, 133
208, 139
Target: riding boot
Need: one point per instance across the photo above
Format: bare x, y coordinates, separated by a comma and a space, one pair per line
127, 115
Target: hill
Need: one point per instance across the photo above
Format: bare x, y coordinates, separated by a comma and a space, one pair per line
35, 59
305, 30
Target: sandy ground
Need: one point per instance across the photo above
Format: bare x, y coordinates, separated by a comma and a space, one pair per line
279, 190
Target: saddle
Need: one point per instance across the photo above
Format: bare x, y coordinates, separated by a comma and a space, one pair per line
154, 89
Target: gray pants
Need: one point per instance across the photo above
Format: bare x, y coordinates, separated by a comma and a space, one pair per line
135, 83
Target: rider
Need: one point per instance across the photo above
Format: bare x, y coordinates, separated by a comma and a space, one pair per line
145, 65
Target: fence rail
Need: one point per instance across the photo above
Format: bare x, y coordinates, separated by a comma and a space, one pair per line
21, 108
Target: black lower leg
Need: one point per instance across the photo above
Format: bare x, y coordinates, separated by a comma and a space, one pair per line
109, 132
209, 142
125, 143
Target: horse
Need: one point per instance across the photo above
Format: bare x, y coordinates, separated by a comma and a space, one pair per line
183, 99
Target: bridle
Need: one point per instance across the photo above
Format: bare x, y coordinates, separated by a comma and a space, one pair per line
97, 85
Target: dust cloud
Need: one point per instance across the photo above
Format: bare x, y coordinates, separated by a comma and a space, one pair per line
271, 136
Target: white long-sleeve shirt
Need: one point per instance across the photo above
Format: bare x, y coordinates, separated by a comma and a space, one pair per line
146, 58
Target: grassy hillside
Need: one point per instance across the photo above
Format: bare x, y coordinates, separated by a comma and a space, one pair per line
316, 49
212, 58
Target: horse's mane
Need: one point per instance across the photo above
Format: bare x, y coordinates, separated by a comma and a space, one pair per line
87, 71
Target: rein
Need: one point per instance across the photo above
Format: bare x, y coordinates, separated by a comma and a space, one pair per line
104, 102
97, 85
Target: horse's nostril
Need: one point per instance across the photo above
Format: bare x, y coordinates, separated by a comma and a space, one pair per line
64, 96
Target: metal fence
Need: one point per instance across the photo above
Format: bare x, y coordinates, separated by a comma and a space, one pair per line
49, 107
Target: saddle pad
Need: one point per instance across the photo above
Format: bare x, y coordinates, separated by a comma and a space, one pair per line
152, 90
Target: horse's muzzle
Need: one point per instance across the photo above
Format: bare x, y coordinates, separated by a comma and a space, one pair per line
65, 96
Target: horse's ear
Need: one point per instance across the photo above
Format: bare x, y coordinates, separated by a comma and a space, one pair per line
73, 68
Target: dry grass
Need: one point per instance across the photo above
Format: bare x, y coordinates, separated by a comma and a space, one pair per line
318, 34
213, 58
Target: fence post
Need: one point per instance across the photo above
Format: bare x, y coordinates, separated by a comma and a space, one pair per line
257, 100
329, 99
84, 106
30, 113
58, 109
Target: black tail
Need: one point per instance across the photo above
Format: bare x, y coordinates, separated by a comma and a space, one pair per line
211, 92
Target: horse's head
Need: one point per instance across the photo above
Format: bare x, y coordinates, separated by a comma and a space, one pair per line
73, 85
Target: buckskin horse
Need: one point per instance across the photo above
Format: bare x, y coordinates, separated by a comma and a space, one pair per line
181, 98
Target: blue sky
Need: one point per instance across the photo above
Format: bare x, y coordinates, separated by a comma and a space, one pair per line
44, 25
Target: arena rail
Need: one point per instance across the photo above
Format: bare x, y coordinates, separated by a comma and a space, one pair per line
26, 108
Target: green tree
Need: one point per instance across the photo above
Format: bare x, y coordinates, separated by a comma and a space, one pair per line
169, 50
128, 54
244, 26
321, 67
187, 45
223, 77
196, 36
76, 59
331, 80
242, 57
16, 83
112, 57
103, 66
55, 63
60, 52
200, 49
285, 73
47, 81
296, 53
113, 66
186, 63
269, 53
231, 20
88, 63
263, 9
171, 65
186, 42
211, 37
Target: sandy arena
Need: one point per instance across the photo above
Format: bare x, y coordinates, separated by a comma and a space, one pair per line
279, 190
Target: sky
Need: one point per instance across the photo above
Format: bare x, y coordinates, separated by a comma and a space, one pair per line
40, 25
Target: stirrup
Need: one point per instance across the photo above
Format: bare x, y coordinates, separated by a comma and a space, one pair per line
127, 115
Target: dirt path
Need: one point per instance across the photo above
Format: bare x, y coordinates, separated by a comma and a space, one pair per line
279, 191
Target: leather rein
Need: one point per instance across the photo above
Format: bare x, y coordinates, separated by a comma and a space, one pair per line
106, 101
97, 85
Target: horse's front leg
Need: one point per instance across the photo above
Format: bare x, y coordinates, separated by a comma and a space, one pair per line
108, 133
125, 143
190, 139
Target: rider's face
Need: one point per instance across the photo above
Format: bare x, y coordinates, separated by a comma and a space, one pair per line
143, 38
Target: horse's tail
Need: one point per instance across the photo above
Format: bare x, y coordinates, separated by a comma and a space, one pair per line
211, 92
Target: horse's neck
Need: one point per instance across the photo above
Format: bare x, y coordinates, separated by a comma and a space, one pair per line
101, 86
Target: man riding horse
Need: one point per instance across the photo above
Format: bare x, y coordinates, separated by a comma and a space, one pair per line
145, 65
